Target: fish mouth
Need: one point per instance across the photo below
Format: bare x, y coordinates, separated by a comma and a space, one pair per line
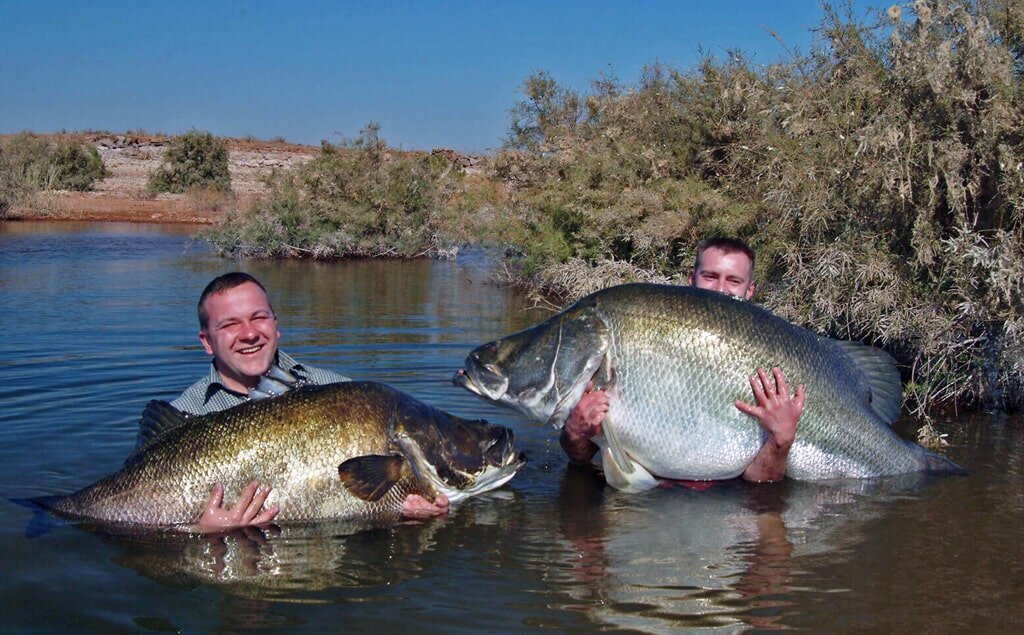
479, 458
481, 381
500, 451
500, 463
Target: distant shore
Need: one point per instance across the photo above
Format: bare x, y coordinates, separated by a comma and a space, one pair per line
129, 158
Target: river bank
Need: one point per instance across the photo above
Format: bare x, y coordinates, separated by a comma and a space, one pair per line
130, 157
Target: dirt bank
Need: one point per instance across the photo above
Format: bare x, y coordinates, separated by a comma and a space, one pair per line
131, 157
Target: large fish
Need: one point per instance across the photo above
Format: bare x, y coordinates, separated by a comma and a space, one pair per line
346, 450
674, 360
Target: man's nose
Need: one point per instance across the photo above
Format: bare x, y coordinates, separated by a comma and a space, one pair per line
249, 331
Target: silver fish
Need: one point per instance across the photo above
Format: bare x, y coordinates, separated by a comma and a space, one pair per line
674, 360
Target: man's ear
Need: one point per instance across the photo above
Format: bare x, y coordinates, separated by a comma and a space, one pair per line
205, 339
749, 295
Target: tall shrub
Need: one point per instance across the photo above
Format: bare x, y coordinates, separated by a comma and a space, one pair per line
194, 159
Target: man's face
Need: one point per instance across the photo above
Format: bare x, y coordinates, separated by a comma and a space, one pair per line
730, 273
241, 334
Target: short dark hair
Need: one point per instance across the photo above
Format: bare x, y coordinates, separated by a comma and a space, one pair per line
725, 245
222, 283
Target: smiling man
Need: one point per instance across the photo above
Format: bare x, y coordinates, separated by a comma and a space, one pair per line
725, 265
238, 328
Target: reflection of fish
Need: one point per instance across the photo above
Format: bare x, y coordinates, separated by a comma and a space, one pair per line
674, 360
344, 450
719, 560
288, 563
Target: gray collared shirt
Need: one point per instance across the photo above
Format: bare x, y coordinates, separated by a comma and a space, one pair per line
210, 395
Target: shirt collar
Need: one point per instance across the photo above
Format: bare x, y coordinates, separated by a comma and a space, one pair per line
282, 359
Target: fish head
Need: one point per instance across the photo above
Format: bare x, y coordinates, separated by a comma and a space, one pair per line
541, 371
455, 456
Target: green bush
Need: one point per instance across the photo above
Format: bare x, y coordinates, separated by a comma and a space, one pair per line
30, 164
354, 199
194, 159
75, 166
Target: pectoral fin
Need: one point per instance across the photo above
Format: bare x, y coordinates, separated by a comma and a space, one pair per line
620, 471
370, 477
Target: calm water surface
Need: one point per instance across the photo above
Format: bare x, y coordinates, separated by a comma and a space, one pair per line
98, 319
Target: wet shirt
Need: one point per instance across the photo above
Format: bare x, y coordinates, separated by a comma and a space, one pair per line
210, 395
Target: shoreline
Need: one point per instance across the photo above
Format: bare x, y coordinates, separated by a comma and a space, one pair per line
86, 207
130, 158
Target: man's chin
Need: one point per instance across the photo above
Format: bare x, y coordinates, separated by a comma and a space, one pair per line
254, 367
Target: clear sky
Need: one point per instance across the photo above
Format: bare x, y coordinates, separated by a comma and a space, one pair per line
432, 74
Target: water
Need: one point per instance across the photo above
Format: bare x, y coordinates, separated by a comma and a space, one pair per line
98, 319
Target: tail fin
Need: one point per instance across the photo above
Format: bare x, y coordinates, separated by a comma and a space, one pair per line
938, 464
42, 520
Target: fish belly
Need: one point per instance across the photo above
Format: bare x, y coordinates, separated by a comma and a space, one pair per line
675, 434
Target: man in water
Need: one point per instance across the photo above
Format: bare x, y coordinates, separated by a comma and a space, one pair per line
725, 265
238, 328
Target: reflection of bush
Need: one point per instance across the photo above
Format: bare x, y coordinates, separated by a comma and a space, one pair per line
879, 179
29, 165
355, 199
193, 160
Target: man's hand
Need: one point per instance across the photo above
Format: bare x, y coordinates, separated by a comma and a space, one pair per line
583, 424
778, 414
415, 506
247, 511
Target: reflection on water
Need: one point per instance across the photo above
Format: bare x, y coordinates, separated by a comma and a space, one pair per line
100, 319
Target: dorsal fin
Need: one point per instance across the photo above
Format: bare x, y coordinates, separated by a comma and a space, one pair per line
157, 418
883, 379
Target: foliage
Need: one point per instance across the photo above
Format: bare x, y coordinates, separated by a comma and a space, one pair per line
879, 178
30, 164
359, 198
194, 159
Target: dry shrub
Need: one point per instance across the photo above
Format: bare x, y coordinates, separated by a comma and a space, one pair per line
577, 276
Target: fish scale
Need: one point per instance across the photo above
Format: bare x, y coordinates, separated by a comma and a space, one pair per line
676, 359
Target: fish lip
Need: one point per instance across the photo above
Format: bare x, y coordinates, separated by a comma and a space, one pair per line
464, 378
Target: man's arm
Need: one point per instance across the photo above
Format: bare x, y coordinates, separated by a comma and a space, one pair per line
778, 413
583, 424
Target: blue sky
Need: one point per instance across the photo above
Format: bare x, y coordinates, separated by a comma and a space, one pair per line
432, 74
